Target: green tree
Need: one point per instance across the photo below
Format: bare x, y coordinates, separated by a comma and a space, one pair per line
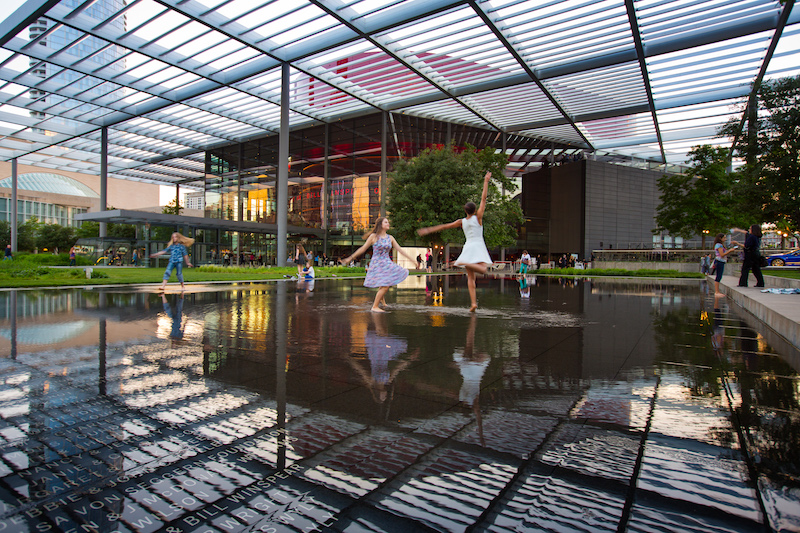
699, 199
164, 233
91, 229
5, 233
88, 229
433, 187
768, 185
27, 233
55, 237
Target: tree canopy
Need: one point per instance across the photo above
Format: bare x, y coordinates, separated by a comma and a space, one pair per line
699, 199
433, 187
768, 185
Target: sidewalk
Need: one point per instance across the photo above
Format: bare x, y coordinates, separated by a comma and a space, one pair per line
780, 312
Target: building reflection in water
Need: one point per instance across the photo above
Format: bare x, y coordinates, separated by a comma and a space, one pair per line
612, 401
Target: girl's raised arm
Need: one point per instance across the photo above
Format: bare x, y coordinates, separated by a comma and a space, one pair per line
440, 227
482, 207
360, 251
401, 251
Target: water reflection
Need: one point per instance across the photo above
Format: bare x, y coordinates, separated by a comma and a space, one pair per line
585, 405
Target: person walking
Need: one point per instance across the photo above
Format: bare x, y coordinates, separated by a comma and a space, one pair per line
720, 259
382, 273
429, 261
8, 255
72, 256
474, 256
177, 255
752, 257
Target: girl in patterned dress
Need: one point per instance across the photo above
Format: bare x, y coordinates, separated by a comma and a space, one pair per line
177, 254
383, 272
474, 256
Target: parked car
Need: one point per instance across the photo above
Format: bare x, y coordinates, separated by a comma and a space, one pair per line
792, 259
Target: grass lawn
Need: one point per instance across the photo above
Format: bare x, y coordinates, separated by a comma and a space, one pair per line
21, 274
793, 274
36, 276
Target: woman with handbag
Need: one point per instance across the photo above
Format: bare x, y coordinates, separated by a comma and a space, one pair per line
752, 257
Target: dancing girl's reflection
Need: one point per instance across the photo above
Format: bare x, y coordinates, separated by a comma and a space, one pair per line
472, 365
383, 351
176, 314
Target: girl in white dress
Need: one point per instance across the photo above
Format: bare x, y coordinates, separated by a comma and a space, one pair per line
474, 256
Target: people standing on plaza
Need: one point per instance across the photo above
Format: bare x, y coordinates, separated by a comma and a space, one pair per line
705, 263
752, 257
429, 261
135, 257
383, 273
721, 258
474, 256
72, 256
525, 261
177, 255
419, 261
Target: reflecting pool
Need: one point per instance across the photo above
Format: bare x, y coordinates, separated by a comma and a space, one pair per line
561, 405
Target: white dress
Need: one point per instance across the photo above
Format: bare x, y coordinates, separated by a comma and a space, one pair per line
474, 250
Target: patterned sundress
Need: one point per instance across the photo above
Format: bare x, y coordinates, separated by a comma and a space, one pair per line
383, 272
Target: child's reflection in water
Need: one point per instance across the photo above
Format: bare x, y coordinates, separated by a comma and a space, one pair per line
472, 366
383, 351
176, 314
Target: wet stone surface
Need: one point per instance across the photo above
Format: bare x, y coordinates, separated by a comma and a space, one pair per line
590, 406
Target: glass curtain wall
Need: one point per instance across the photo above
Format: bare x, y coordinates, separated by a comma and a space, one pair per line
240, 179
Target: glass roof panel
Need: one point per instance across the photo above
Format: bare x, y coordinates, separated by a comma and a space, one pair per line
553, 33
661, 20
364, 70
448, 110
712, 69
786, 59
453, 48
559, 134
616, 131
709, 115
604, 89
514, 105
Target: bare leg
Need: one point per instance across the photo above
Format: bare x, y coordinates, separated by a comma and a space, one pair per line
471, 286
716, 289
480, 268
378, 297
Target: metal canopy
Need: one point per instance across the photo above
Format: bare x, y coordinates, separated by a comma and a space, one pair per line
169, 79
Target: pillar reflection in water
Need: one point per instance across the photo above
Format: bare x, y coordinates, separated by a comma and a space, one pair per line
13, 311
281, 325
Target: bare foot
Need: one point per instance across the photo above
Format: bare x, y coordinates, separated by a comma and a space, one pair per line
377, 310
719, 294
473, 307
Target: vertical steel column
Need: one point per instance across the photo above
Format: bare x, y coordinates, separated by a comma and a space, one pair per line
282, 189
449, 134
384, 178
14, 209
326, 199
103, 178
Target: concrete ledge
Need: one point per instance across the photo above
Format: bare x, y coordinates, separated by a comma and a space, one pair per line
779, 312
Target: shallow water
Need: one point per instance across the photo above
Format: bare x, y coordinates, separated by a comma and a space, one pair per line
560, 405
